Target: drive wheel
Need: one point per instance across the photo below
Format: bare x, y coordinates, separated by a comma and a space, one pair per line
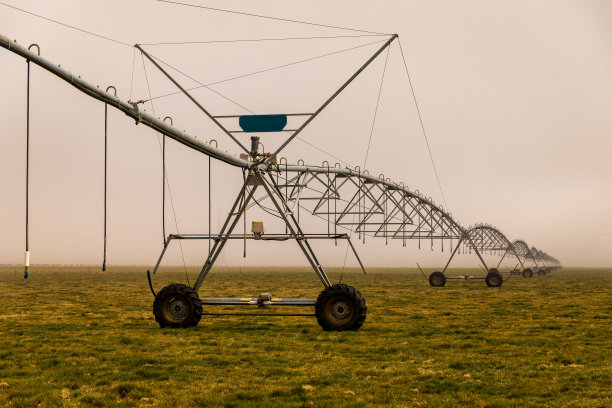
437, 279
494, 278
340, 307
177, 305
541, 272
527, 273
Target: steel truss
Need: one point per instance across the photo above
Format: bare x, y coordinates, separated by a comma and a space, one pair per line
255, 179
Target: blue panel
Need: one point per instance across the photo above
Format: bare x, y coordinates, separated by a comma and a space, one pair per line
263, 123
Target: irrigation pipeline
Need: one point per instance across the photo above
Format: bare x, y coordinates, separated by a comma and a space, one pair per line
431, 217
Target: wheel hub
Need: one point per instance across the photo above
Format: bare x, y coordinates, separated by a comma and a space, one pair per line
177, 309
340, 309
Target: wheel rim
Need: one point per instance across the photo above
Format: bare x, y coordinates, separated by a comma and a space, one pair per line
437, 281
340, 309
177, 309
494, 281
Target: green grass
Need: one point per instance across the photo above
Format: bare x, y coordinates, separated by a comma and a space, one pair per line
73, 337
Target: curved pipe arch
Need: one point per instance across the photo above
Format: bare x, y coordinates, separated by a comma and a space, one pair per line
490, 238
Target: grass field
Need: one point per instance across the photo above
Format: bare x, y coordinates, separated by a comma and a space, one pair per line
73, 337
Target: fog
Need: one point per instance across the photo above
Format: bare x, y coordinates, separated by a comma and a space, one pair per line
515, 97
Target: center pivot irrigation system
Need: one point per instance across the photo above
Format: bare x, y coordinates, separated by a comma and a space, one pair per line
349, 199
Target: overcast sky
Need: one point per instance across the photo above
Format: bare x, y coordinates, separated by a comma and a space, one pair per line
515, 97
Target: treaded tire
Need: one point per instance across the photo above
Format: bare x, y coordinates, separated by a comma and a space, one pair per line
527, 273
177, 305
494, 278
340, 307
541, 272
437, 279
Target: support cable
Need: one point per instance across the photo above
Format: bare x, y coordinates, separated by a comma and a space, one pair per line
167, 182
164, 182
132, 80
105, 178
27, 181
201, 85
368, 33
66, 25
243, 205
176, 3
382, 80
26, 260
262, 39
208, 85
422, 124
209, 204
365, 161
164, 187
106, 172
210, 198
